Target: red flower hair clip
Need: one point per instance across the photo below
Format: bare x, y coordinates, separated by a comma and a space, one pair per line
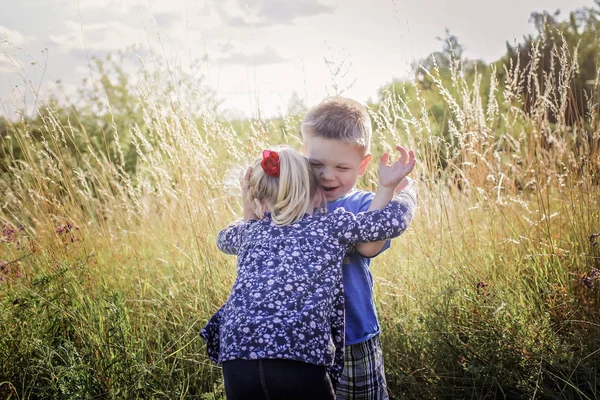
270, 163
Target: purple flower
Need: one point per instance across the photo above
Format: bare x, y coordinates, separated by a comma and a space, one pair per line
66, 228
589, 277
8, 233
482, 288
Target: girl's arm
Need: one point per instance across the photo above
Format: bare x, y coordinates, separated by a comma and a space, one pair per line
231, 238
378, 225
392, 178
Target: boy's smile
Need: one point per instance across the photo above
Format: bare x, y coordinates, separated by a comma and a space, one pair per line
337, 164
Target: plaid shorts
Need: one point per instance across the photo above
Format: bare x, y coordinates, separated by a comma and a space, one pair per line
363, 376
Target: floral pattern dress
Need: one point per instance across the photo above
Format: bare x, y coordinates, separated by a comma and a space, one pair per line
287, 301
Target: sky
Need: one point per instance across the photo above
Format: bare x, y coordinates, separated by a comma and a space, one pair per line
254, 55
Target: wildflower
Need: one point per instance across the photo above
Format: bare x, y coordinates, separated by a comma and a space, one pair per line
589, 277
482, 288
8, 233
3, 265
594, 239
66, 228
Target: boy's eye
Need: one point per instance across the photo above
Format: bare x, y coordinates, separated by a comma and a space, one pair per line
343, 168
315, 165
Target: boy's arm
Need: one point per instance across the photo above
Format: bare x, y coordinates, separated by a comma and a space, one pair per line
388, 186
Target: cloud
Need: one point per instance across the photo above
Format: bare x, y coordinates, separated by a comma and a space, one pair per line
6, 64
241, 22
13, 37
266, 57
131, 6
166, 20
276, 11
112, 5
264, 13
100, 37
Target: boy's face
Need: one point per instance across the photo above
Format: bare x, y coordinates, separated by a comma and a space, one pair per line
337, 164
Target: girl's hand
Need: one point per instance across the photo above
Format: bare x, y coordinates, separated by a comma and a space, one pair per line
247, 202
390, 176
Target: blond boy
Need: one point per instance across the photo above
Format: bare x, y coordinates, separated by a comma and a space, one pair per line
336, 139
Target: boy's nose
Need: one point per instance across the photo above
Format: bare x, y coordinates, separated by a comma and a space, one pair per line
326, 174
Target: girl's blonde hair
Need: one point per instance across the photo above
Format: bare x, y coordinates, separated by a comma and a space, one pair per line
290, 195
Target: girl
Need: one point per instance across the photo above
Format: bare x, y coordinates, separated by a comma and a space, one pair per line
280, 335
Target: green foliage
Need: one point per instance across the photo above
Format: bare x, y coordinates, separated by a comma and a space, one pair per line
61, 340
579, 33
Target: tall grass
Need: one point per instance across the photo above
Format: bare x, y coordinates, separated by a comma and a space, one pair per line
107, 278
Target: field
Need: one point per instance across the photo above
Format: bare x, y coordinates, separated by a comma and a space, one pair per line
110, 268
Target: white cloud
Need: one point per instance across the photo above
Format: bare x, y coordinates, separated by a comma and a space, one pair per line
107, 36
13, 37
277, 11
265, 57
128, 6
6, 65
264, 13
113, 5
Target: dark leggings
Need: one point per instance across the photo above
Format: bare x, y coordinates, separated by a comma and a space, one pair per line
276, 379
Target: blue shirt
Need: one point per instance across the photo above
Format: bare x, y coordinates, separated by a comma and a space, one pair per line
287, 300
361, 317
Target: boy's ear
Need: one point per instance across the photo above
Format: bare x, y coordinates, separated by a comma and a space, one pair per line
364, 163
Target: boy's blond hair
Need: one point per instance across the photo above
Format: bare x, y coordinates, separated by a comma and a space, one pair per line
339, 118
291, 194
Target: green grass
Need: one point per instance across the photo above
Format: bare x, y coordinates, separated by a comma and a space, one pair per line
490, 293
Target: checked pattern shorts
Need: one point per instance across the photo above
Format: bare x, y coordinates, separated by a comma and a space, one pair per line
363, 377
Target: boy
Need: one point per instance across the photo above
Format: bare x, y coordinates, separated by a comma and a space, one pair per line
336, 139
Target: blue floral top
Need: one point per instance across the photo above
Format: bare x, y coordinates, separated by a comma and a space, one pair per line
287, 301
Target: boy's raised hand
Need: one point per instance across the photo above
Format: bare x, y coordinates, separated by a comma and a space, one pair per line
390, 176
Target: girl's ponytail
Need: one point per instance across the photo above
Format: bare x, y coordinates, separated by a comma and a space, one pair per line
293, 197
289, 190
